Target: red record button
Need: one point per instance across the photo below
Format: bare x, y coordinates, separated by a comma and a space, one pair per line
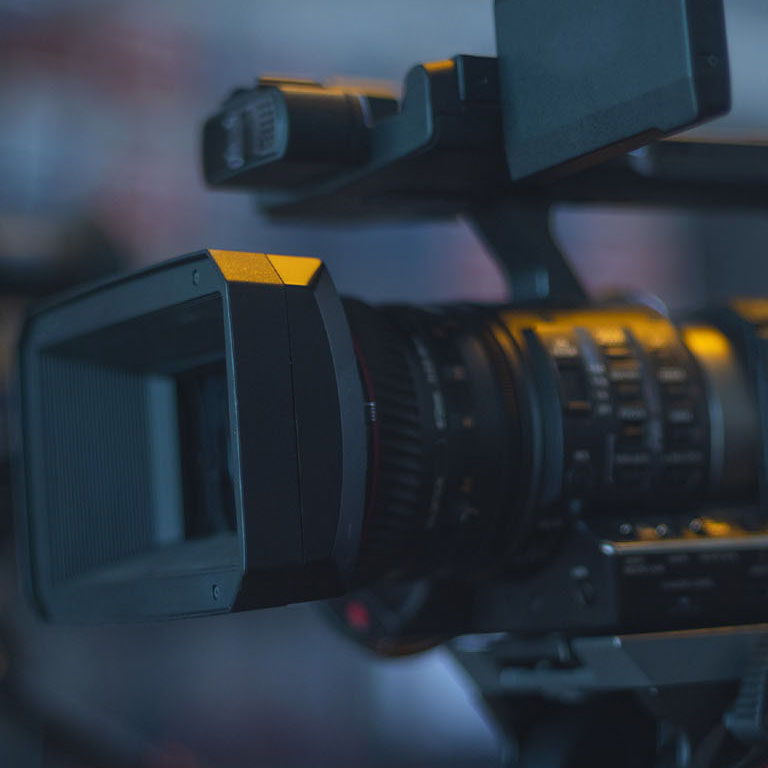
357, 615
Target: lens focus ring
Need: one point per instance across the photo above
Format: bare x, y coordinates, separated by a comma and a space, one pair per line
400, 477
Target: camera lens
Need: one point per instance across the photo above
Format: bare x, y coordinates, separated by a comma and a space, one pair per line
492, 431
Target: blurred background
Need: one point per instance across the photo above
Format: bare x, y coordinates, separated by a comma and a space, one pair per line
101, 104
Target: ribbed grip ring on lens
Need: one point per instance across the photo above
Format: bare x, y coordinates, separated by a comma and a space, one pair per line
399, 473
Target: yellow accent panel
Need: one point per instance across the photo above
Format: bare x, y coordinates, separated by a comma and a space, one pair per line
312, 90
243, 267
369, 86
707, 342
439, 66
755, 310
295, 270
718, 527
609, 324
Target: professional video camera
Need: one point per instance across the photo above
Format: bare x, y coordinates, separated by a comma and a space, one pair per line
224, 432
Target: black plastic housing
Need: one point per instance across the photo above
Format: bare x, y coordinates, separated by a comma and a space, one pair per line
284, 133
576, 87
159, 519
582, 82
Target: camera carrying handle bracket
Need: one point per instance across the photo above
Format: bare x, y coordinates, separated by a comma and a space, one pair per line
519, 237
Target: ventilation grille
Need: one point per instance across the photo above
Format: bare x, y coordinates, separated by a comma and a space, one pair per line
97, 465
259, 120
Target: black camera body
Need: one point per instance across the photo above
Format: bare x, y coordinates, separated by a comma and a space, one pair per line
222, 432
225, 432
572, 496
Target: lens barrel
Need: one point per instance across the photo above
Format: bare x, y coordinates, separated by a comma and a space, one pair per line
493, 431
